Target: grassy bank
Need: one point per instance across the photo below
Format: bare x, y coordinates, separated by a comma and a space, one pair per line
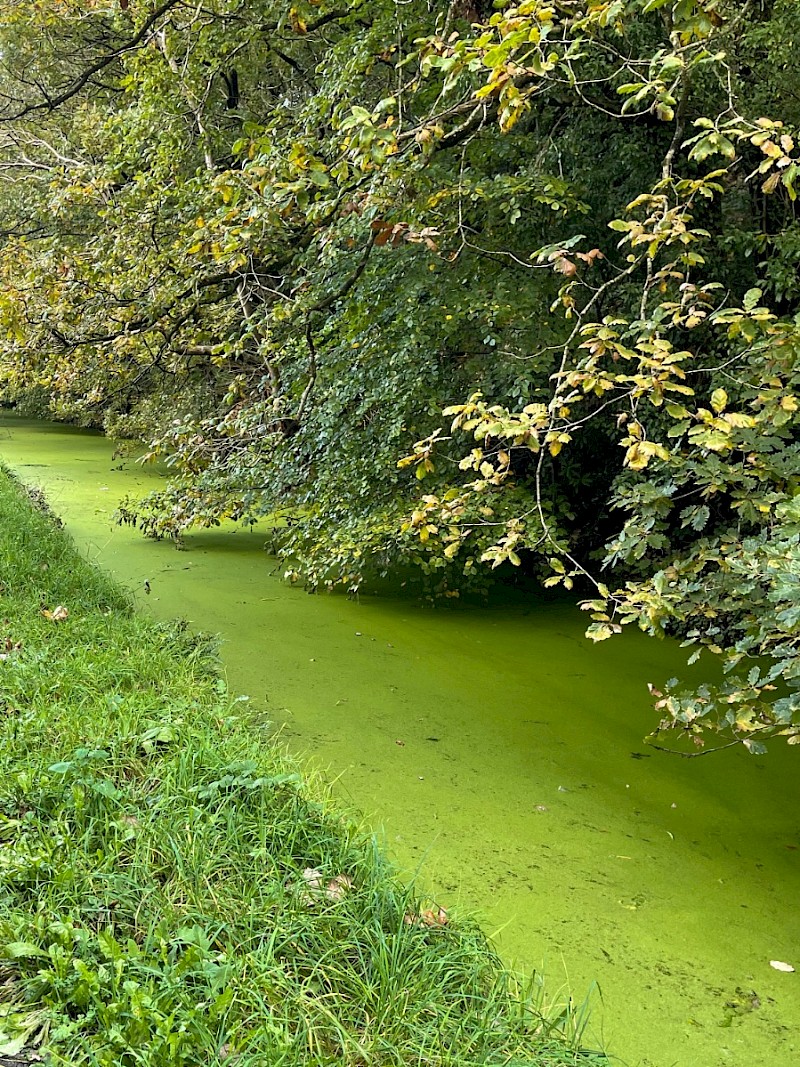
173, 892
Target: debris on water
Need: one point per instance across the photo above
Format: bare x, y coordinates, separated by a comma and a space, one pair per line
358, 633
431, 738
563, 789
402, 744
541, 807
778, 965
741, 1003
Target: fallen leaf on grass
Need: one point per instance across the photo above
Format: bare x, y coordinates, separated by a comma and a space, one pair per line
10, 648
317, 887
434, 917
427, 917
58, 614
338, 887
312, 877
130, 823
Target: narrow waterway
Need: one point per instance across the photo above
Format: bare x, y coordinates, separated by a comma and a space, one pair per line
500, 756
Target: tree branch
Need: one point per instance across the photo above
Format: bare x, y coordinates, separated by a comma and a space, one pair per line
51, 103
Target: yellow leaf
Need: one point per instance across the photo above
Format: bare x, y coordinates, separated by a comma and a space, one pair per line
636, 458
735, 418
771, 184
58, 614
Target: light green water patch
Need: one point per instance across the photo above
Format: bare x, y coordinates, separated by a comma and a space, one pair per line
501, 754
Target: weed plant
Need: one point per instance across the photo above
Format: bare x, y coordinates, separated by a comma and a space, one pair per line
168, 880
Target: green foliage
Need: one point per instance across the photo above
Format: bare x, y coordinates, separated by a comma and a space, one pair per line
277, 241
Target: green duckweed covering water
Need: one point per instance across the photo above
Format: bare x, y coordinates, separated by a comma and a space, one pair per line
501, 755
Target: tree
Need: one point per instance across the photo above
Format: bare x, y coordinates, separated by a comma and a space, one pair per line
277, 240
700, 386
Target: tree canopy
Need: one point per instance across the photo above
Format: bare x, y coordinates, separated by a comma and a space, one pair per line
278, 240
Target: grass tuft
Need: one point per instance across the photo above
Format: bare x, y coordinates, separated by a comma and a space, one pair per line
172, 890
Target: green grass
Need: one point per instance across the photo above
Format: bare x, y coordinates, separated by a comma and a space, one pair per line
153, 906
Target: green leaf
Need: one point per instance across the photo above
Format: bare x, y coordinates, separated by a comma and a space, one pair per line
755, 748
14, 1046
21, 950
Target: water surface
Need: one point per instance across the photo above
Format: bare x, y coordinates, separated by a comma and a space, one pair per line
500, 755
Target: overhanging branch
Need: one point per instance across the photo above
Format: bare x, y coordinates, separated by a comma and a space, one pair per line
78, 83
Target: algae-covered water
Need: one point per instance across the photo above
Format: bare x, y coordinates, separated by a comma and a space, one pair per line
500, 755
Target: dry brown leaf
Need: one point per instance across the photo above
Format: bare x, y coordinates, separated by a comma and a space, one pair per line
590, 257
318, 887
565, 266
312, 877
338, 887
58, 614
427, 917
434, 917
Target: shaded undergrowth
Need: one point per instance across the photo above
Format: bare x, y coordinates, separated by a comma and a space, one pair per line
173, 892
